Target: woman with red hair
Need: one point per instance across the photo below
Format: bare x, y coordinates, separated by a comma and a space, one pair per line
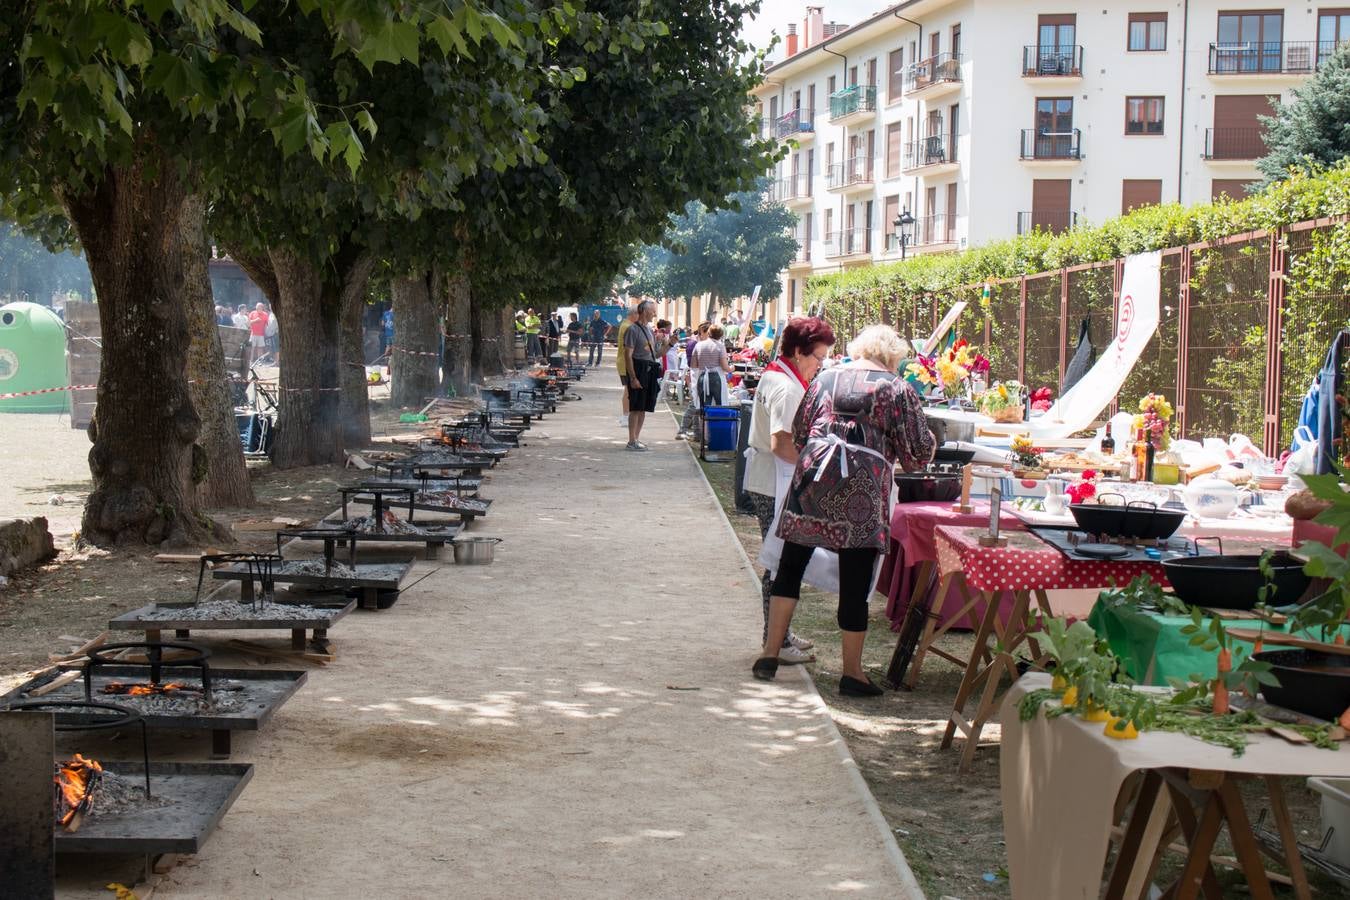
802, 348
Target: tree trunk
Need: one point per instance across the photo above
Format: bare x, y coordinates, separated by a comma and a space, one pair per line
414, 362
355, 388
226, 482
458, 362
309, 429
145, 461
482, 356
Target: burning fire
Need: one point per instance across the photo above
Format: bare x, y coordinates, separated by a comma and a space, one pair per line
75, 781
143, 690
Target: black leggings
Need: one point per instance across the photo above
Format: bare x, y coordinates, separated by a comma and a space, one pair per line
855, 580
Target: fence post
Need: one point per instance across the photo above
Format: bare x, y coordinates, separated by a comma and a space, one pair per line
1183, 336
1063, 323
1279, 260
1022, 334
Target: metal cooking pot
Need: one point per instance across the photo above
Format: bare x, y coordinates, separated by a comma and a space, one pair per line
474, 551
948, 426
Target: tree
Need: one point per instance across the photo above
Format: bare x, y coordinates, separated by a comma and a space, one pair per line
1315, 127
113, 110
723, 253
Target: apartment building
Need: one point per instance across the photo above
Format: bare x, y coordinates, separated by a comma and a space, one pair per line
974, 120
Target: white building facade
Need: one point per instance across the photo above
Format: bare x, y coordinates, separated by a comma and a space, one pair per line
1081, 113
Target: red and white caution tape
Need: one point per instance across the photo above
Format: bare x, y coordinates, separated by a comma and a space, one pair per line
55, 390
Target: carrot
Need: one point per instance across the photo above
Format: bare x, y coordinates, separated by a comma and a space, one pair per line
1344, 720
1220, 686
1258, 646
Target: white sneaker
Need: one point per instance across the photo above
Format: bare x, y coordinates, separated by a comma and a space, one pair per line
800, 643
791, 656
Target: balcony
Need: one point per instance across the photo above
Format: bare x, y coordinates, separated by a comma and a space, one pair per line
791, 190
856, 103
935, 230
1238, 145
1051, 146
1052, 221
852, 246
1268, 58
799, 124
934, 155
1052, 61
851, 175
934, 76
802, 258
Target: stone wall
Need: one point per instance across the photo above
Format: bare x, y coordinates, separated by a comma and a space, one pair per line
24, 543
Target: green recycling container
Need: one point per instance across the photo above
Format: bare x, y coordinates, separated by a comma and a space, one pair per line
32, 358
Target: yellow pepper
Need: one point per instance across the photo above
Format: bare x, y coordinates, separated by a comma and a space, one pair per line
1096, 714
1070, 697
1124, 732
1058, 683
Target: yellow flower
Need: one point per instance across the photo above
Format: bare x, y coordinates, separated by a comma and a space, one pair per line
1003, 392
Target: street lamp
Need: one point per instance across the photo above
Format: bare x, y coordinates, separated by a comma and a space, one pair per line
902, 223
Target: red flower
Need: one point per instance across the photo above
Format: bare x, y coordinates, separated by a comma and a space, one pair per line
1089, 474
1082, 492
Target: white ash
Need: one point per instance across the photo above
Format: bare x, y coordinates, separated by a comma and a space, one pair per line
227, 697
453, 501
124, 793
226, 610
334, 569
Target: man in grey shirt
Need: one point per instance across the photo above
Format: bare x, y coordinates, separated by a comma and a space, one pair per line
641, 353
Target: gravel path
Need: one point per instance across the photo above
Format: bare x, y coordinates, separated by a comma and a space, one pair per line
576, 720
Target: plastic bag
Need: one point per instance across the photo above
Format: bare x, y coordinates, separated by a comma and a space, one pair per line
1303, 460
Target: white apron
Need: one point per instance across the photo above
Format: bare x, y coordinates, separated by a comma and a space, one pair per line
701, 385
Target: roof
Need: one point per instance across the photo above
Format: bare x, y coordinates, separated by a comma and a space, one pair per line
849, 36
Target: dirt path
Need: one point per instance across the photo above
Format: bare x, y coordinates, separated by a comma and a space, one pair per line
576, 720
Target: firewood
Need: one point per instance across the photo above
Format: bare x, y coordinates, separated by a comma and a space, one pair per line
79, 652
55, 684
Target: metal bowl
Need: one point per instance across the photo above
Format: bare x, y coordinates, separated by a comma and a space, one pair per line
474, 551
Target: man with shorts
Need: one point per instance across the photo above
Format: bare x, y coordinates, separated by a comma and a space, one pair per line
257, 332
641, 349
621, 363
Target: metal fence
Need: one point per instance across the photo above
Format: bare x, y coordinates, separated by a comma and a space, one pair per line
1245, 324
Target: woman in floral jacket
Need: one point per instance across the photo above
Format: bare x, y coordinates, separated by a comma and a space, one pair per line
855, 424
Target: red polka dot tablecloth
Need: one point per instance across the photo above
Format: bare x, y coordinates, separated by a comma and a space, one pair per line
1028, 563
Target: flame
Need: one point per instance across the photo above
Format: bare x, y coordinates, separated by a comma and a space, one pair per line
142, 690
72, 780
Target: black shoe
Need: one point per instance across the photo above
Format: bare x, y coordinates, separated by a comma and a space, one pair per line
852, 687
765, 668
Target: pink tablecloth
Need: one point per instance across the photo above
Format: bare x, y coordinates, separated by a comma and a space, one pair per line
913, 542
1028, 563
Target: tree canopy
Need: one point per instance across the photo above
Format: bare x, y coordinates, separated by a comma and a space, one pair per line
1315, 127
724, 252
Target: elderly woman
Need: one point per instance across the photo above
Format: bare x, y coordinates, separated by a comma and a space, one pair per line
856, 422
802, 347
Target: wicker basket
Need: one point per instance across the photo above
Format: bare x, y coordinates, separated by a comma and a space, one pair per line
1007, 414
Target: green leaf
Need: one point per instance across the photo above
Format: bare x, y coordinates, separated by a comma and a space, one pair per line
46, 47
292, 129
366, 122
406, 38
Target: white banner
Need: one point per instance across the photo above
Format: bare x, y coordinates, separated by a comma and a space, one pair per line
1137, 318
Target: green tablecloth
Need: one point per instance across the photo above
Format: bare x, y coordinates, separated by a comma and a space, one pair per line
1153, 648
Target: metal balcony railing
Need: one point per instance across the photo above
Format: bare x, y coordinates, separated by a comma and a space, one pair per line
857, 170
943, 68
856, 98
933, 150
1234, 143
1268, 57
1052, 61
1050, 144
1051, 220
803, 254
790, 187
938, 228
850, 242
798, 121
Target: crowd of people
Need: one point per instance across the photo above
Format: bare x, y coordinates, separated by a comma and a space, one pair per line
264, 333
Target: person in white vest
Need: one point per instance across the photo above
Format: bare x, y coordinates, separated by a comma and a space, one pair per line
804, 344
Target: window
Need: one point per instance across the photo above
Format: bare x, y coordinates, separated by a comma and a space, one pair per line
829, 155
811, 101
1143, 115
895, 69
1333, 30
1137, 192
829, 226
892, 149
1234, 188
934, 44
1056, 32
830, 85
852, 76
797, 101
872, 72
1249, 42
956, 41
1148, 31
953, 121
810, 170
806, 239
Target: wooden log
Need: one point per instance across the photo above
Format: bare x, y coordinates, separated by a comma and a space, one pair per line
55, 684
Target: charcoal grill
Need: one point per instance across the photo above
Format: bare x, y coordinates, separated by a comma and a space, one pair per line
374, 495
412, 468
261, 692
156, 618
375, 584
338, 534
1067, 541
